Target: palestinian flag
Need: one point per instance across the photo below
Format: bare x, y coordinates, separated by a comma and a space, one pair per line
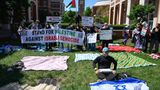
72, 4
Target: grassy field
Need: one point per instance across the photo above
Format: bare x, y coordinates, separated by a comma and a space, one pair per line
77, 76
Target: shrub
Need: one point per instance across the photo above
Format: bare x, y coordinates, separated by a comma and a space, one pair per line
119, 26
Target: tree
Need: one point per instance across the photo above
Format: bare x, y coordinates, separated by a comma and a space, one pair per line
139, 13
105, 19
87, 12
18, 8
4, 11
12, 9
69, 17
101, 19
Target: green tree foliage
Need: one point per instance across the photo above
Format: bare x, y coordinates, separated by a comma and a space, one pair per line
101, 19
104, 19
4, 8
87, 12
19, 8
12, 9
69, 17
139, 13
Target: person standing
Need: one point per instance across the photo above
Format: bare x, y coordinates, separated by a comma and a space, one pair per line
92, 46
155, 38
145, 36
106, 42
48, 44
79, 47
38, 26
136, 36
104, 62
126, 35
78, 19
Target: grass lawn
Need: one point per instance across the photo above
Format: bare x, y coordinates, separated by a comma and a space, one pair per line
77, 76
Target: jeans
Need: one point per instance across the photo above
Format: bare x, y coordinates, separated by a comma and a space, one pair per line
60, 45
92, 46
152, 44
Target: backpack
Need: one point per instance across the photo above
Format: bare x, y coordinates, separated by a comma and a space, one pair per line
18, 66
122, 75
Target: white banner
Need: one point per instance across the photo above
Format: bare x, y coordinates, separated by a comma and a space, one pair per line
87, 21
53, 19
106, 34
52, 35
92, 37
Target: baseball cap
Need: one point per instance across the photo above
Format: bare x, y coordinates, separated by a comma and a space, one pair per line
105, 49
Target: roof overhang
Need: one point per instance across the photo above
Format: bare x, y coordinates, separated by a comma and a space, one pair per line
102, 3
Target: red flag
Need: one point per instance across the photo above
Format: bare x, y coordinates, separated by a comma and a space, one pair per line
72, 4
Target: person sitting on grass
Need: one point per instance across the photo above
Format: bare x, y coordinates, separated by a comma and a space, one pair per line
104, 61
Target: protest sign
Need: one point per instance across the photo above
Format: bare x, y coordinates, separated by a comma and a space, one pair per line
92, 37
143, 32
106, 34
52, 35
87, 21
53, 19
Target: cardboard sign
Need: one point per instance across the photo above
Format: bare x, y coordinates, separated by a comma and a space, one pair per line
87, 21
53, 19
92, 37
143, 32
106, 34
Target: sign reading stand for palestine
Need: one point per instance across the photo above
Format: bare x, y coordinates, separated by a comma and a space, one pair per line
52, 35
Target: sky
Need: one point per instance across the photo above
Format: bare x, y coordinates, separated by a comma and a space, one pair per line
88, 3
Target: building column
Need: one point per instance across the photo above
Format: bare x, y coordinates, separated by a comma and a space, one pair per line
156, 18
29, 11
141, 2
120, 13
29, 14
158, 11
110, 15
37, 18
128, 11
114, 14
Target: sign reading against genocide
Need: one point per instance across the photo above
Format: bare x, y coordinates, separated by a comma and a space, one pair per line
53, 19
92, 37
87, 21
106, 34
52, 35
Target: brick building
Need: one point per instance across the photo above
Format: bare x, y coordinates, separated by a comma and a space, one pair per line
120, 9
41, 8
101, 8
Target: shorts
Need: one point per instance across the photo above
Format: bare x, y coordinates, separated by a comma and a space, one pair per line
104, 75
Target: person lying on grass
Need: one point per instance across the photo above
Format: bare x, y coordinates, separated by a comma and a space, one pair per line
104, 61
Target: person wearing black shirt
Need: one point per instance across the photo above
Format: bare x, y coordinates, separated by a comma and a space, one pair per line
155, 39
106, 42
78, 19
104, 62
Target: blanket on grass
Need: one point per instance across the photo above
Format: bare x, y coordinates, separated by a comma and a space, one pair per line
124, 84
116, 48
155, 56
124, 60
45, 62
